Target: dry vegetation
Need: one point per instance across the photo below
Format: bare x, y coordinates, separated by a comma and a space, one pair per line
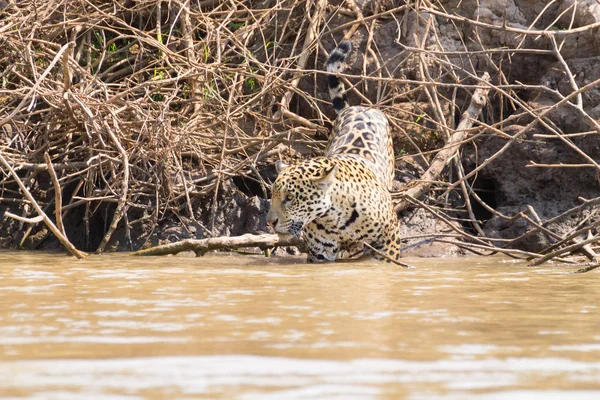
120, 114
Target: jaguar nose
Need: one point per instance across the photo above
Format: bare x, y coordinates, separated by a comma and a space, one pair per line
272, 218
272, 222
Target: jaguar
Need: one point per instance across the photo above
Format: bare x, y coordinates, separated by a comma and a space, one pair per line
340, 202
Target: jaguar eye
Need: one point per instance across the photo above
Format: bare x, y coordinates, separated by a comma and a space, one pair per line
289, 198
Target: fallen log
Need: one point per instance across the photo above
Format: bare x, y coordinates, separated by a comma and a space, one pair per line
202, 246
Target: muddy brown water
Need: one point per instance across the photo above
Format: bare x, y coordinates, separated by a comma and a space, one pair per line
245, 327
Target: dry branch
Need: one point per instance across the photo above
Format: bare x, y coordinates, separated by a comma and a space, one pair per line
124, 188
201, 246
314, 21
568, 249
57, 195
450, 149
55, 230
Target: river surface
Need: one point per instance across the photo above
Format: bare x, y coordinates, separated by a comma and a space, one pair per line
247, 327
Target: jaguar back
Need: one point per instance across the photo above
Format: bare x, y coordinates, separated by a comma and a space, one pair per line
358, 132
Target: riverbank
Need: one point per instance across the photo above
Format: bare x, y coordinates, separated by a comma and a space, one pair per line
148, 123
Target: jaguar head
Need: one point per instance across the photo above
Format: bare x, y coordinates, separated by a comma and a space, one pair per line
301, 193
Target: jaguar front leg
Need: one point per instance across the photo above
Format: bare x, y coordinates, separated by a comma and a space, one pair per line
353, 250
389, 248
320, 249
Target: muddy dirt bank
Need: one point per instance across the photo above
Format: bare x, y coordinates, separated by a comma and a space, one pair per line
162, 121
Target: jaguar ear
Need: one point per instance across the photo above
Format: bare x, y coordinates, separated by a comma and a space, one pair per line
280, 166
328, 178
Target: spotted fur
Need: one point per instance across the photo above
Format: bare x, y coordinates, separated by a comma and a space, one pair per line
342, 200
363, 133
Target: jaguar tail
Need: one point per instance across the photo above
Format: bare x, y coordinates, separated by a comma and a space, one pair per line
335, 64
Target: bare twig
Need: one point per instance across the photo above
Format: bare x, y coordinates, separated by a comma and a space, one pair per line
57, 195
